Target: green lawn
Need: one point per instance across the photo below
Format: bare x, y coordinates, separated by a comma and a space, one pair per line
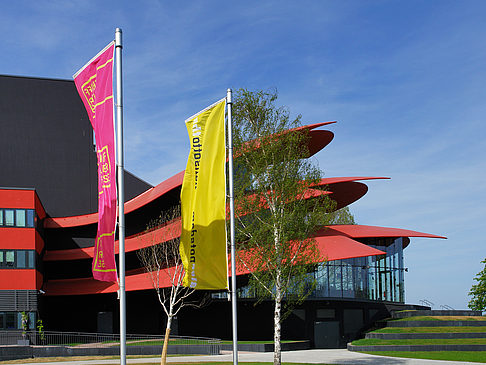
75, 358
472, 356
231, 363
459, 341
226, 342
441, 318
430, 330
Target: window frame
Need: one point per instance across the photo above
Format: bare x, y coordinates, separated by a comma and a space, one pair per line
18, 218
29, 258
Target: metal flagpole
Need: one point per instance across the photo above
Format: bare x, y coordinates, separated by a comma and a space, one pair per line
229, 103
121, 193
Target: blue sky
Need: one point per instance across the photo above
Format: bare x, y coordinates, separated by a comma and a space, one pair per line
406, 81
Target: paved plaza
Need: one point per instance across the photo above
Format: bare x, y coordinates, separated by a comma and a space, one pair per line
340, 356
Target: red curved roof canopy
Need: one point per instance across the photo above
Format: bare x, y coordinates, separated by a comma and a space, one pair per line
345, 190
318, 140
338, 247
133, 204
331, 245
340, 194
132, 243
362, 231
334, 242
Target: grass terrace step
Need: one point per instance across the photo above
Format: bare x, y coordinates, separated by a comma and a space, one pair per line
462, 341
471, 356
463, 329
438, 347
441, 318
435, 323
407, 336
429, 331
414, 313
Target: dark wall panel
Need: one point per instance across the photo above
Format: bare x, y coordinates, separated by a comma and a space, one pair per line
46, 143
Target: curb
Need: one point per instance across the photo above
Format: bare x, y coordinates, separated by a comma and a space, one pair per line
268, 347
23, 352
436, 323
425, 336
414, 313
417, 348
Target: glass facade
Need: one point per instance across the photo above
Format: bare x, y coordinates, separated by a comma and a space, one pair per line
378, 278
372, 277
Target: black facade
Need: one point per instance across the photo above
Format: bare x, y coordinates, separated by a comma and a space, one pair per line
328, 323
46, 143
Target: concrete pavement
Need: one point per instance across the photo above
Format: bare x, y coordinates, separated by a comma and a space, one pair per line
340, 356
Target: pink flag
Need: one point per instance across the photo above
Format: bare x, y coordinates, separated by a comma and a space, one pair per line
95, 86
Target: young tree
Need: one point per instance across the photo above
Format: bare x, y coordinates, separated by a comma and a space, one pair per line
478, 291
163, 265
277, 202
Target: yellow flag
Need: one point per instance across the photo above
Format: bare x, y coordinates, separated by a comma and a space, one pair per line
203, 201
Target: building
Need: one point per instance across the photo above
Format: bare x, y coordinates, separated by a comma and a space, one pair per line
48, 202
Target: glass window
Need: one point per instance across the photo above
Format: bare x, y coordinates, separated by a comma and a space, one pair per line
21, 259
20, 217
322, 285
335, 288
1, 221
1, 258
9, 217
10, 320
2, 321
348, 283
10, 258
32, 320
31, 259
30, 218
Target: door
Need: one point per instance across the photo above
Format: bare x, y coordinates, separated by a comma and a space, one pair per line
326, 335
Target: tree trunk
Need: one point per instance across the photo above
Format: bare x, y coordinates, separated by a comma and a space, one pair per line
277, 354
163, 359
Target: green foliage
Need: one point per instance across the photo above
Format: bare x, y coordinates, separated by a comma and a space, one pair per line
272, 178
25, 322
40, 329
478, 291
278, 203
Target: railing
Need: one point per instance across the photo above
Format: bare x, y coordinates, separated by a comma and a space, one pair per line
99, 340
427, 303
446, 307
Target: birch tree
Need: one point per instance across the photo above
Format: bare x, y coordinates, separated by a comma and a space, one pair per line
278, 204
163, 265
